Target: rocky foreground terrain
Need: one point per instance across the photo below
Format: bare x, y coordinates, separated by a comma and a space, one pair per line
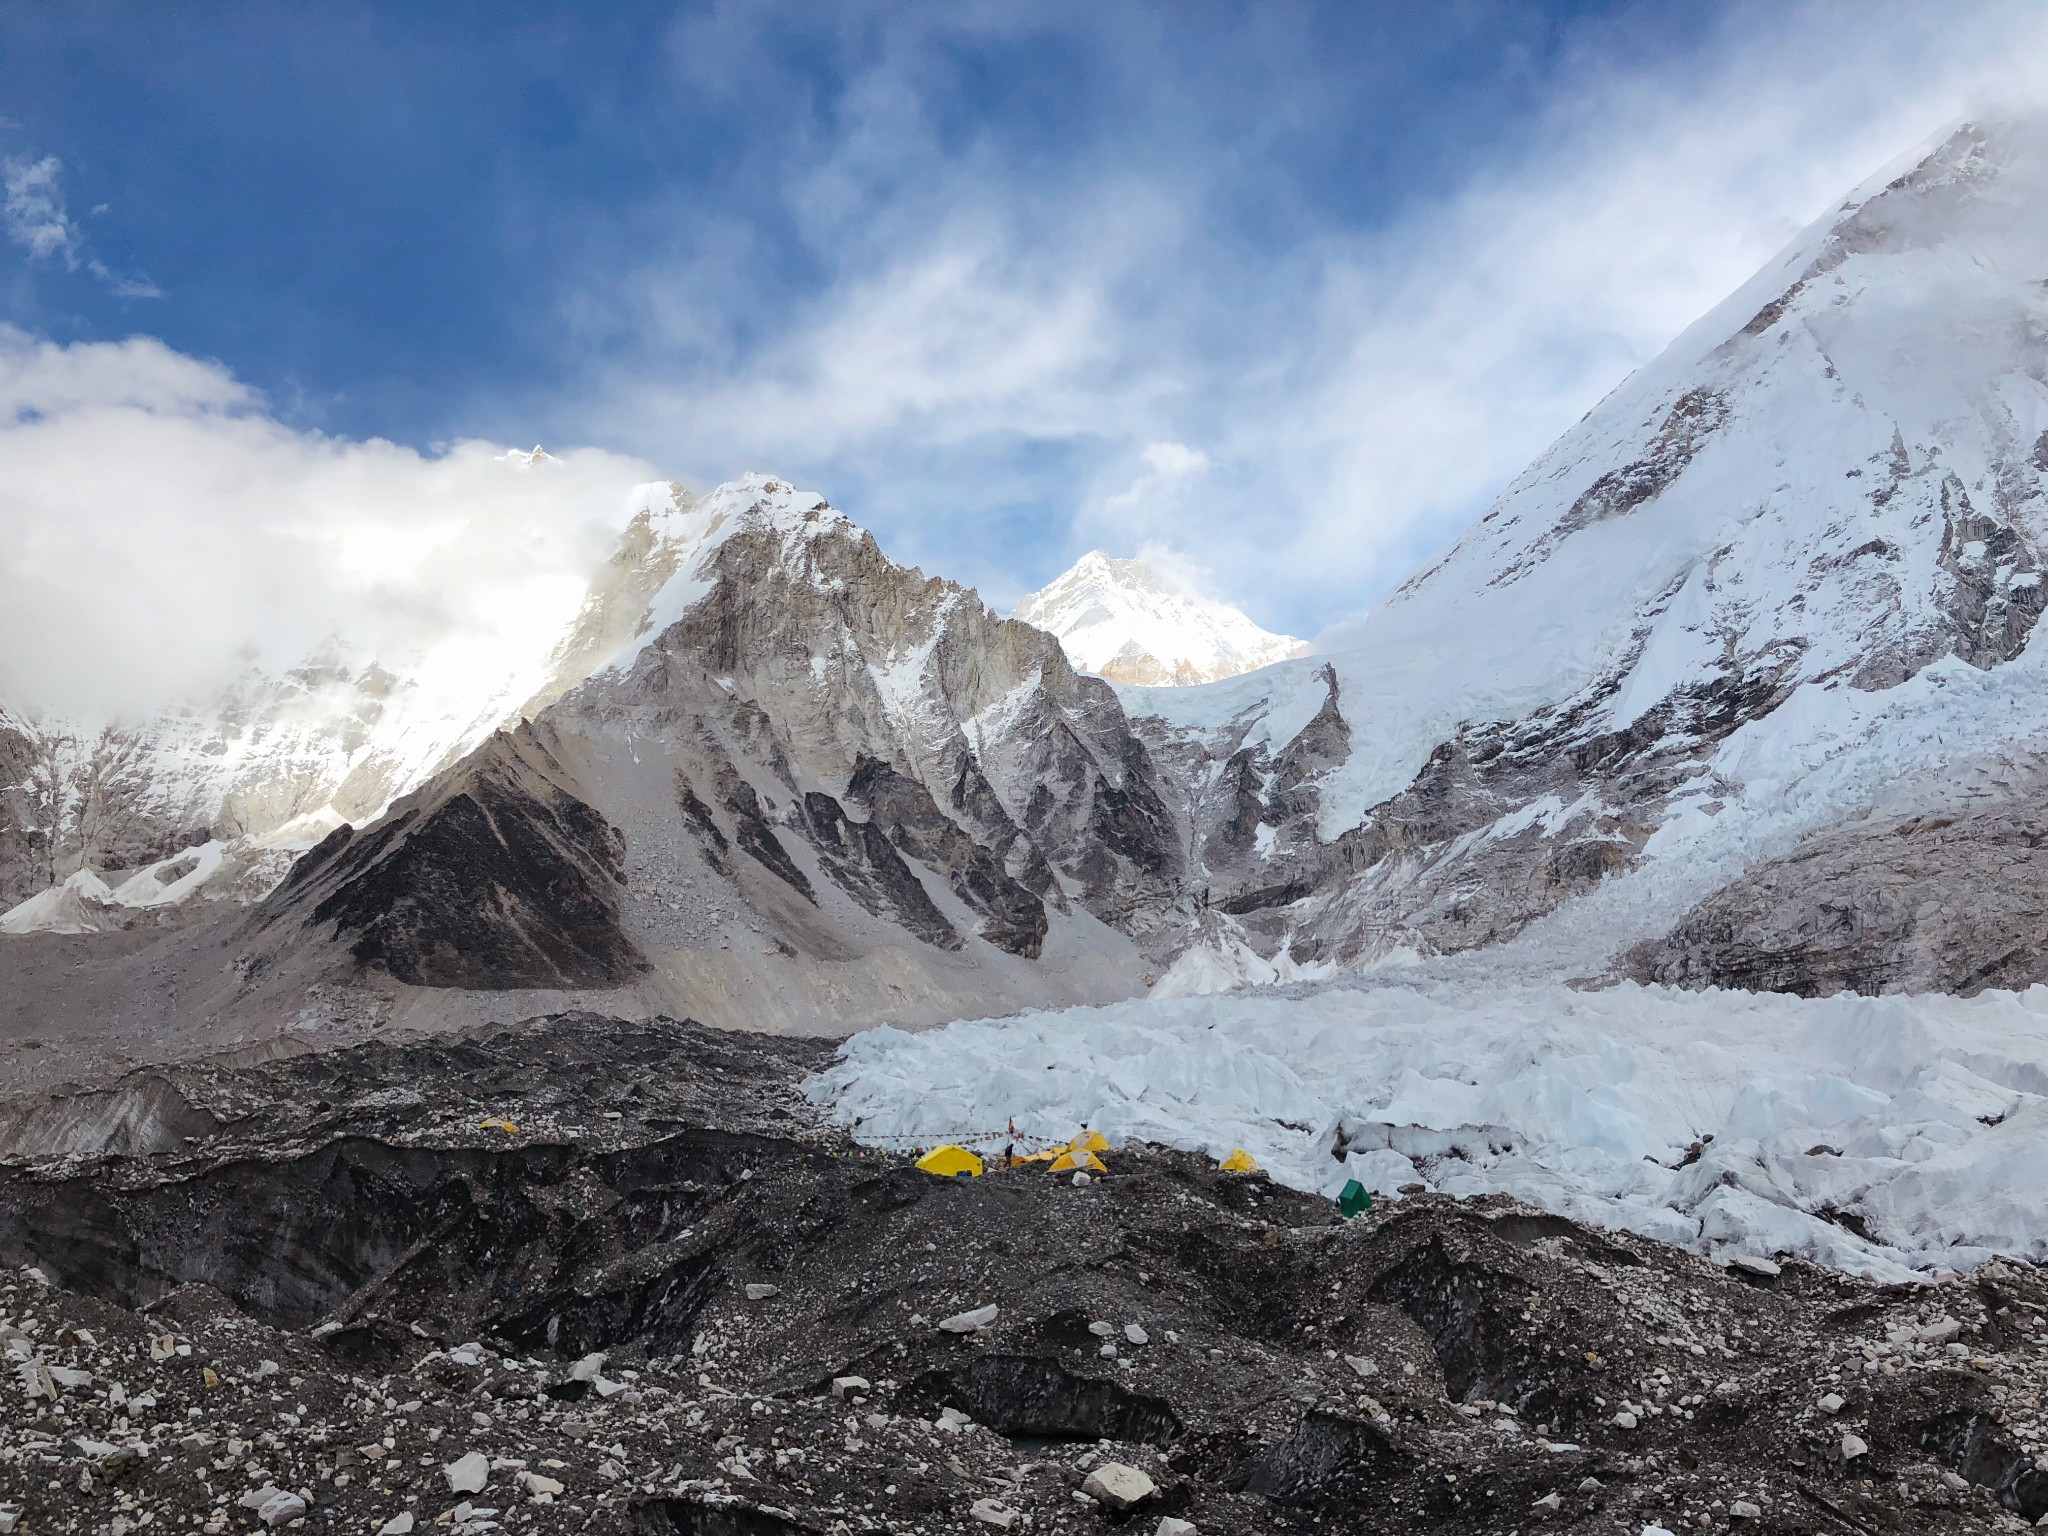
337, 1292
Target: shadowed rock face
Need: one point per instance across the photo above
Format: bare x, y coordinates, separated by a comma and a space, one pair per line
904, 809
1951, 902
497, 876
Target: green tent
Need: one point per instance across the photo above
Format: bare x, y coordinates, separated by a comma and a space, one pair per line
1354, 1198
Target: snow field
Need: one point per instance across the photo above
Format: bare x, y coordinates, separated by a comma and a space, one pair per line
1898, 1137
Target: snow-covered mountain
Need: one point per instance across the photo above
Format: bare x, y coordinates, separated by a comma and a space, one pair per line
209, 800
1130, 622
1779, 586
1734, 685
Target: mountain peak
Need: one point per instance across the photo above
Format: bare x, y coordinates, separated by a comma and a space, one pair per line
1133, 622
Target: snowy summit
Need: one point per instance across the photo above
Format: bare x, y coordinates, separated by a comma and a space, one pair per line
1127, 621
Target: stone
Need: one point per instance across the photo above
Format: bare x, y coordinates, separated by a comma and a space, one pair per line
587, 1368
273, 1505
1625, 1420
1590, 1485
1107, 1352
1118, 1485
761, 1291
1169, 1526
1361, 1366
468, 1474
952, 1420
399, 1524
1832, 1403
1751, 1264
1854, 1445
1081, 1179
1102, 1330
1550, 1501
971, 1321
539, 1486
1136, 1334
993, 1512
1940, 1332
850, 1386
1743, 1509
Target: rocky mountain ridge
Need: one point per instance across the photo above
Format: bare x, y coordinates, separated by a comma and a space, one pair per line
1778, 588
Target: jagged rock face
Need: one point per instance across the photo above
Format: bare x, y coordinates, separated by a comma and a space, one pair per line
802, 785
1740, 602
1942, 901
22, 873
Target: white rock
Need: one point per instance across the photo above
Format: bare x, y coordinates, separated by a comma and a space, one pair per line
1940, 1332
1118, 1485
399, 1524
1832, 1403
1625, 1420
1854, 1445
273, 1505
1107, 1352
1549, 1501
604, 1388
536, 1484
1102, 1330
970, 1322
1081, 1178
1362, 1366
65, 1376
993, 1512
1136, 1334
761, 1292
1169, 1526
952, 1420
587, 1368
468, 1474
1590, 1485
850, 1386
1742, 1509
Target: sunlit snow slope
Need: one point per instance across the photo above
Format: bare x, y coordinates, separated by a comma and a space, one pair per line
1784, 576
1132, 623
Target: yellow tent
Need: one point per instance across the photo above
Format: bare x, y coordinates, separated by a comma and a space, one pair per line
1074, 1158
949, 1162
1089, 1141
1034, 1157
1239, 1161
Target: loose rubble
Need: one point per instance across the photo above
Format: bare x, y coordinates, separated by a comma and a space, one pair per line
312, 1323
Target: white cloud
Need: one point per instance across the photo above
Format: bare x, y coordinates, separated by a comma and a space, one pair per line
34, 209
988, 338
159, 530
35, 218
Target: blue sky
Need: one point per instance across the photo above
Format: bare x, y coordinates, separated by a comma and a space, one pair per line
1289, 289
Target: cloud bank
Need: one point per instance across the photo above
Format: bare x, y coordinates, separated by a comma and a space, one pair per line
997, 349
160, 532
